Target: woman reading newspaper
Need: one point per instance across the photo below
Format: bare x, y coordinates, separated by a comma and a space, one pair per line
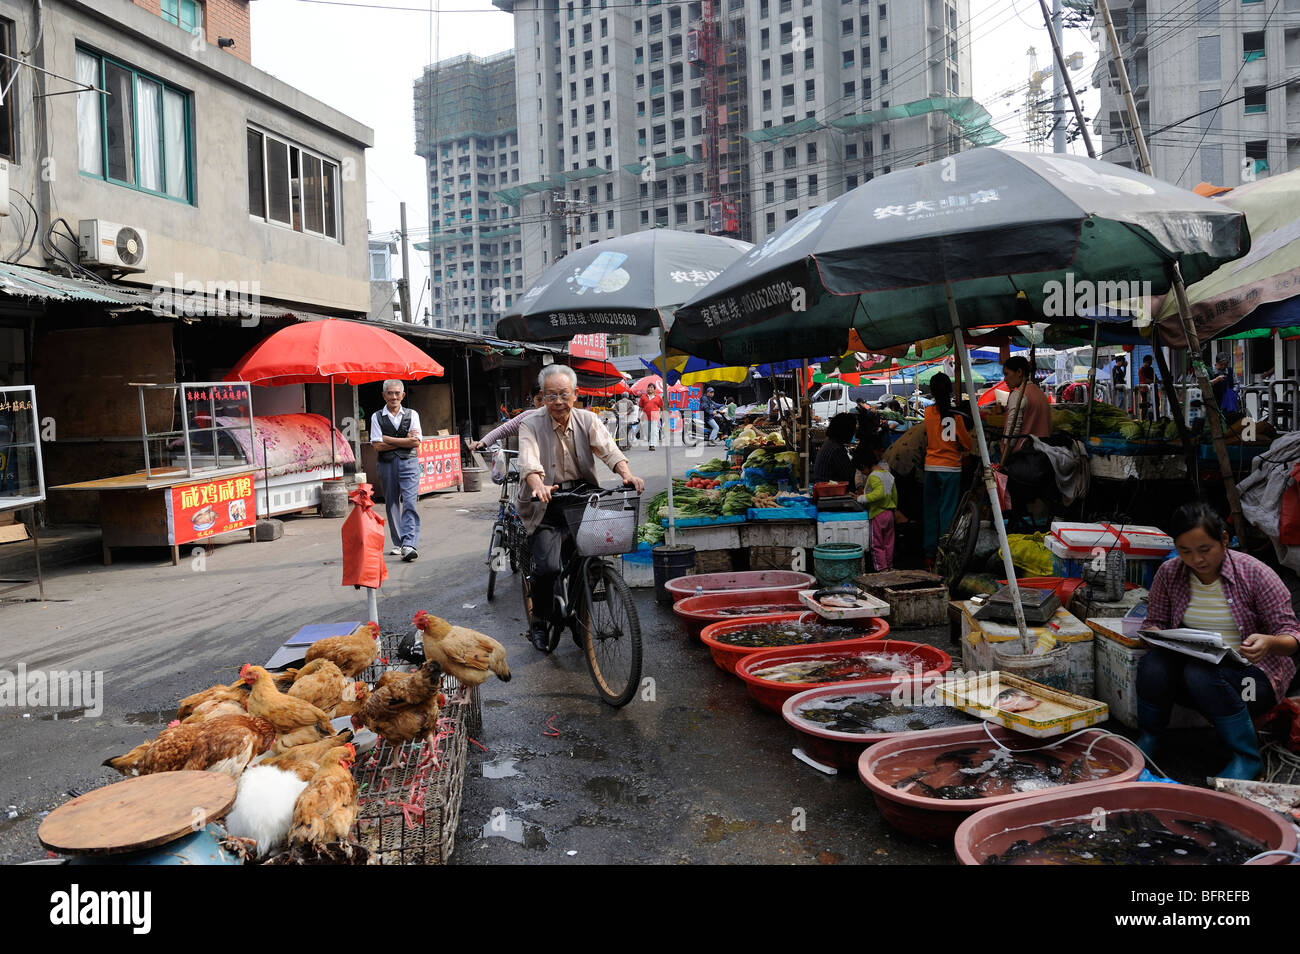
1215, 590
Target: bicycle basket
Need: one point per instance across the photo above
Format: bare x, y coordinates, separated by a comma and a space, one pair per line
603, 526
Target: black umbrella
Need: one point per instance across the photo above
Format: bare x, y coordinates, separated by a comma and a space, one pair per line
620, 286
950, 245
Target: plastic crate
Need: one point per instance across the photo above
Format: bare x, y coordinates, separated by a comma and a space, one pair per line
845, 531
801, 511
842, 516
686, 522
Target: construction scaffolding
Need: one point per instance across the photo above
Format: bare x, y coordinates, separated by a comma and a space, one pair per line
464, 96
716, 48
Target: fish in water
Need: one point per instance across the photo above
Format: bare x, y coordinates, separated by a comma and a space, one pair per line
842, 669
1132, 838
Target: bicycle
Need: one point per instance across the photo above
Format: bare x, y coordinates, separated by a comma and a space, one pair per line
592, 600
508, 536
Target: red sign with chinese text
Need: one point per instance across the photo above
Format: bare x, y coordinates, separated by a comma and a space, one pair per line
588, 346
211, 507
439, 463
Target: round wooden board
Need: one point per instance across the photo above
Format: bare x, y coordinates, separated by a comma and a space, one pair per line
137, 813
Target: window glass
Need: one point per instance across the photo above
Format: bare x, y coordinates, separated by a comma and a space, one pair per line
90, 134
119, 124
277, 178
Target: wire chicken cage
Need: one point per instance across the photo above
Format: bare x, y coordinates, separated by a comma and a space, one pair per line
409, 796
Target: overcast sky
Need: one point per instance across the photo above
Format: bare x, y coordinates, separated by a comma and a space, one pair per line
364, 56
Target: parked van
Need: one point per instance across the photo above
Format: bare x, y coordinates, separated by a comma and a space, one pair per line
832, 399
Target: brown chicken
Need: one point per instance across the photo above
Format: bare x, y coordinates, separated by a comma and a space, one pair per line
321, 683
352, 702
327, 807
225, 744
406, 707
469, 656
214, 708
304, 760
352, 653
235, 692
284, 712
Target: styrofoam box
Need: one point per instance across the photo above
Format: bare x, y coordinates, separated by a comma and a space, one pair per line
845, 531
1143, 541
638, 568
1116, 669
1079, 539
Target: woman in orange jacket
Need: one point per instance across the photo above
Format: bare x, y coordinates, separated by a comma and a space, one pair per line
946, 441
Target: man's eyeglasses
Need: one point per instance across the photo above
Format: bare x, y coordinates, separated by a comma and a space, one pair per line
557, 395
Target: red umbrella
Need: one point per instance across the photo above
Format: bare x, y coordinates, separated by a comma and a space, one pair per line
641, 384
313, 352
316, 352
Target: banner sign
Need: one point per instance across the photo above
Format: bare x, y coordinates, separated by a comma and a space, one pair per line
588, 346
439, 463
209, 508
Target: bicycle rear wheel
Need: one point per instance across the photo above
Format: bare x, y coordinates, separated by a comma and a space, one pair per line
958, 547
613, 634
496, 557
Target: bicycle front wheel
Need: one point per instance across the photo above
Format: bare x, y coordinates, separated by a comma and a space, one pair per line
496, 556
958, 547
613, 634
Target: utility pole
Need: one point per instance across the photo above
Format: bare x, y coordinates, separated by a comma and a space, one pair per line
570, 212
404, 286
1058, 81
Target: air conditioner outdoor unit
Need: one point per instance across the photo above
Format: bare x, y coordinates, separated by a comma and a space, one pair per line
110, 245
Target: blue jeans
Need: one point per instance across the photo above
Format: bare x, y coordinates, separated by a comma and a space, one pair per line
400, 480
1165, 677
942, 491
713, 429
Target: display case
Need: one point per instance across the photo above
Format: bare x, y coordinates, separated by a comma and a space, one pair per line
22, 478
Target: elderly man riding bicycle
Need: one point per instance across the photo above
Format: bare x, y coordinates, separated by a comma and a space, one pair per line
558, 451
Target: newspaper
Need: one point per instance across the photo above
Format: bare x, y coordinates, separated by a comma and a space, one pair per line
1197, 643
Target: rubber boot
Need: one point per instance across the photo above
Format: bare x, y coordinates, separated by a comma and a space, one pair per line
1152, 721
1238, 731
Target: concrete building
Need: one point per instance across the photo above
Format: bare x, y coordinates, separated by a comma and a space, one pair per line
465, 129
725, 116
150, 170
1185, 60
384, 305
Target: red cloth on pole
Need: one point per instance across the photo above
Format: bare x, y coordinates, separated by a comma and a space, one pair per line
363, 542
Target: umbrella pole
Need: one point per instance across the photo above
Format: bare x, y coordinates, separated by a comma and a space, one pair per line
1175, 406
1211, 406
668, 444
1092, 385
998, 525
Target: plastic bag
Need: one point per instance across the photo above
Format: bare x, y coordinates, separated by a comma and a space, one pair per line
1004, 497
363, 542
499, 466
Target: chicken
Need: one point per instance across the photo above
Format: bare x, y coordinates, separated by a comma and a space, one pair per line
323, 686
304, 760
327, 807
352, 701
237, 692
213, 709
352, 653
406, 707
285, 712
463, 653
225, 744
263, 809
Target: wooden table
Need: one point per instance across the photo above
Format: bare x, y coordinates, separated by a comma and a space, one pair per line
133, 508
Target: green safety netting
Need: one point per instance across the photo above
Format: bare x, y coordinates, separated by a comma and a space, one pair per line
453, 237
663, 162
974, 119
780, 132
515, 195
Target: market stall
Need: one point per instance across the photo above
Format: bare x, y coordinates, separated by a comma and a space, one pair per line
193, 487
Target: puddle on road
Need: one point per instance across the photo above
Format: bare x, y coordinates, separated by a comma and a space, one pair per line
7, 822
717, 828
62, 715
512, 829
609, 790
582, 750
500, 768
495, 703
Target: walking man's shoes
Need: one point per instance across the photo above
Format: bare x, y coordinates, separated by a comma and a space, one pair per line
539, 637
409, 554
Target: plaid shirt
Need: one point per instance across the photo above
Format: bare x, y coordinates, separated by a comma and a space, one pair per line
1257, 597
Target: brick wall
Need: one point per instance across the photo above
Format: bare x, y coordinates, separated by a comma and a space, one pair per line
220, 18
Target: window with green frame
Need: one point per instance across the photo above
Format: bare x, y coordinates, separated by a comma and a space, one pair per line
186, 14
138, 135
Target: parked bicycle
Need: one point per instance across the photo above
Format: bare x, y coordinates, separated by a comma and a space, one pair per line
508, 535
591, 598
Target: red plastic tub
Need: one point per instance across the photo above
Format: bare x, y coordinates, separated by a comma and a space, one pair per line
727, 656
697, 612
842, 749
936, 819
772, 695
751, 580
993, 830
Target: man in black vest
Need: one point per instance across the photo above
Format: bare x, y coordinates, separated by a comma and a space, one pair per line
395, 433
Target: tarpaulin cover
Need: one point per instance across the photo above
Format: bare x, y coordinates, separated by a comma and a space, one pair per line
363, 542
